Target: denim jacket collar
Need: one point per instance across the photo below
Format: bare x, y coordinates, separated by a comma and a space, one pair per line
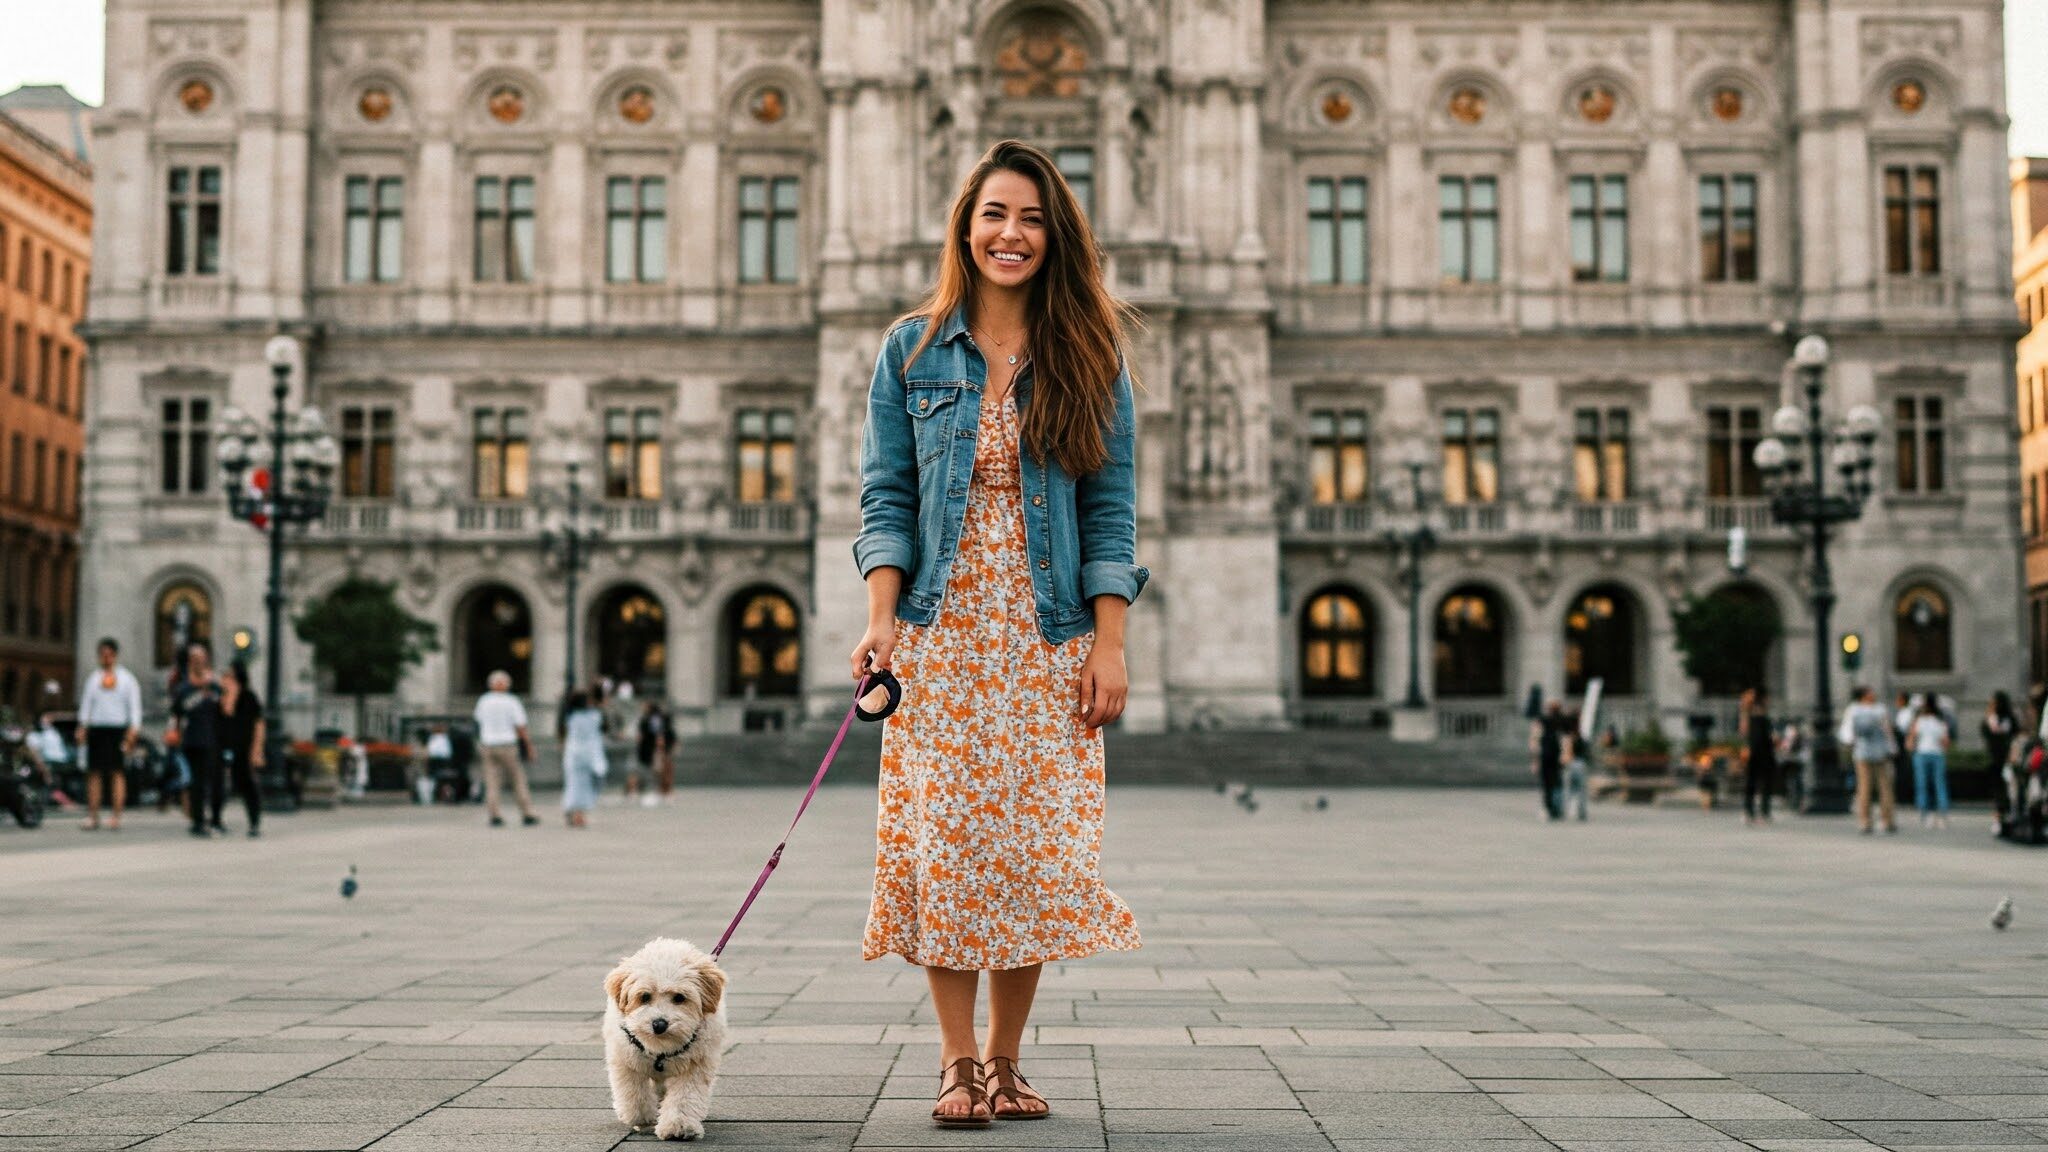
954, 326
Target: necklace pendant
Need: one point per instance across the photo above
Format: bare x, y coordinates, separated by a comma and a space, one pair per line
1013, 359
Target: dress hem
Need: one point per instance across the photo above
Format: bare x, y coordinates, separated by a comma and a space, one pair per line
1077, 952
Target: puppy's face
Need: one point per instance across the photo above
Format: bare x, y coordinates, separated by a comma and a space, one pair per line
664, 992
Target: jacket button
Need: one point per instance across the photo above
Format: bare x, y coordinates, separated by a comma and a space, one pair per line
1037, 501
1045, 563
924, 403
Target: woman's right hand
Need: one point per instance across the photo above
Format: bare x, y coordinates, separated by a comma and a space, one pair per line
876, 648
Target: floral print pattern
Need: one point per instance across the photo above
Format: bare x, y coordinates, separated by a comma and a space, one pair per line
989, 829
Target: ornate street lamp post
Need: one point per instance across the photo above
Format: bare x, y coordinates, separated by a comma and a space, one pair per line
571, 546
1417, 538
289, 480
1795, 463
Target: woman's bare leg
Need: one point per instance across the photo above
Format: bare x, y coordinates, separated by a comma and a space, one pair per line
1010, 993
953, 993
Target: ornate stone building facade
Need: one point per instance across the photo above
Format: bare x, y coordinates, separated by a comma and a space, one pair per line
2030, 283
1553, 256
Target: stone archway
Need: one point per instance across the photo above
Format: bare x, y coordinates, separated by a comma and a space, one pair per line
763, 644
492, 631
1471, 636
1603, 641
629, 628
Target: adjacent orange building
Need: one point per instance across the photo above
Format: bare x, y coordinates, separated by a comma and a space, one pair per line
45, 258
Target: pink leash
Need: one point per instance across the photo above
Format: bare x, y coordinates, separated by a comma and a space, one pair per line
775, 857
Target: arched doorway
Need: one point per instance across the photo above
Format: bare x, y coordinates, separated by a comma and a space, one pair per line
631, 630
1920, 620
1601, 634
763, 644
184, 614
493, 632
1337, 633
1471, 642
1729, 639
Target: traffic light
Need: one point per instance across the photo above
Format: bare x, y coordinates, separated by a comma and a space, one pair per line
1852, 651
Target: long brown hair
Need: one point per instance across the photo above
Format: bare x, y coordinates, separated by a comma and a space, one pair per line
1077, 327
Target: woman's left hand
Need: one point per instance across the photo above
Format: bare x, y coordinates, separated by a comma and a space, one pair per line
1104, 685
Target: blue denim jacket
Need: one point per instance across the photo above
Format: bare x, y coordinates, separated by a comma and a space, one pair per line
917, 459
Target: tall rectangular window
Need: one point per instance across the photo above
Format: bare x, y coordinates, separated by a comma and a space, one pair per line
636, 230
1912, 221
1599, 210
42, 468
373, 235
43, 369
21, 359
59, 480
62, 386
1922, 444
768, 230
632, 454
499, 453
1336, 230
1600, 455
504, 233
192, 226
764, 451
369, 451
1078, 166
1468, 229
186, 445
1471, 455
1728, 229
1339, 457
1733, 432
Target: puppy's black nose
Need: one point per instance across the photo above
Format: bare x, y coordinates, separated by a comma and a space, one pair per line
660, 1025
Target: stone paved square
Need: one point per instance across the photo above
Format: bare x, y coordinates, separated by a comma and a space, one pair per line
1407, 971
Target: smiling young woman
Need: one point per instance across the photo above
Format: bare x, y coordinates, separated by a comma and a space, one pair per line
998, 541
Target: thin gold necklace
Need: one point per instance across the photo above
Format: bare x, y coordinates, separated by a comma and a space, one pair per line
998, 343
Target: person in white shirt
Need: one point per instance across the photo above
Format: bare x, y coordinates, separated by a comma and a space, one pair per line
109, 720
501, 731
1929, 736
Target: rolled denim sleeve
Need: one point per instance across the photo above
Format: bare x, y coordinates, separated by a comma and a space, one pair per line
888, 472
1107, 502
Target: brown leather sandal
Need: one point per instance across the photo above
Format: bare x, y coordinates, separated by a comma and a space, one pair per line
953, 1079
1009, 1082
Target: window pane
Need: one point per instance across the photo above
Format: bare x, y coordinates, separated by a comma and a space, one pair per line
1586, 471
489, 242
383, 462
615, 423
391, 194
618, 463
1710, 193
618, 250
785, 195
1483, 199
1451, 194
207, 260
653, 249
753, 194
177, 243
521, 268
1450, 235
753, 460
1614, 248
782, 471
1322, 474
782, 422
753, 249
358, 194
752, 423
618, 194
1319, 197
1352, 475
1582, 247
356, 250
181, 181
1352, 196
1485, 250
1897, 255
785, 250
1926, 225
654, 194
1582, 193
515, 470
209, 181
647, 470
520, 189
1744, 191
1351, 242
1456, 461
390, 240
1615, 464
1614, 194
487, 194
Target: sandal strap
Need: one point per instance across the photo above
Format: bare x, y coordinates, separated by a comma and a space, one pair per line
971, 1081
1007, 1079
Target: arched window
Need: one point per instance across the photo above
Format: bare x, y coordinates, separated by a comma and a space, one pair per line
763, 644
1922, 620
184, 614
494, 633
1042, 55
1337, 645
1471, 643
1600, 641
632, 639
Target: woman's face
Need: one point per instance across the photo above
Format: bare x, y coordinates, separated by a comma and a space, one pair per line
1006, 232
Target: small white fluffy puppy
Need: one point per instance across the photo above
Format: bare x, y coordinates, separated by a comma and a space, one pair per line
664, 1031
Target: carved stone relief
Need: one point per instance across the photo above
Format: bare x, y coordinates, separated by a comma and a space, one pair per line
1887, 39
608, 48
533, 49
197, 38
404, 49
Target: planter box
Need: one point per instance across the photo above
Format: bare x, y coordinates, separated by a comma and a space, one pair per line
1643, 775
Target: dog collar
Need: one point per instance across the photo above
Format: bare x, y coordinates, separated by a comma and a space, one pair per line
664, 1057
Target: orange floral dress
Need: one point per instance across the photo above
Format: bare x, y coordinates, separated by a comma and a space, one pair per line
989, 830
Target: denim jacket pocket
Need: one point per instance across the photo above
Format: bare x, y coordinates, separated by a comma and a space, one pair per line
930, 404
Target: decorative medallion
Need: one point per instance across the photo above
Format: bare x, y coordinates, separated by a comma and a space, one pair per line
375, 104
636, 104
1337, 107
507, 104
1468, 105
1726, 104
1596, 103
1909, 96
769, 106
1043, 56
196, 96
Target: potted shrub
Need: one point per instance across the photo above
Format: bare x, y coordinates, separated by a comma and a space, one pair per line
1643, 761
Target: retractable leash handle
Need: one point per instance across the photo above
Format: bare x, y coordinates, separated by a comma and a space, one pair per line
880, 678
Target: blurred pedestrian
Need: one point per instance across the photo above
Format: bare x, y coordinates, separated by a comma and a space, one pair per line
654, 755
583, 762
109, 721
501, 731
196, 731
1576, 791
1867, 730
441, 764
1930, 762
1546, 742
2000, 729
241, 745
1759, 756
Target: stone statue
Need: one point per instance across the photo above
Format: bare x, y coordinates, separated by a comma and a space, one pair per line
1144, 165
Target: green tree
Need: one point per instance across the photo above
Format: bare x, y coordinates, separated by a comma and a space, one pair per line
365, 639
1724, 638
